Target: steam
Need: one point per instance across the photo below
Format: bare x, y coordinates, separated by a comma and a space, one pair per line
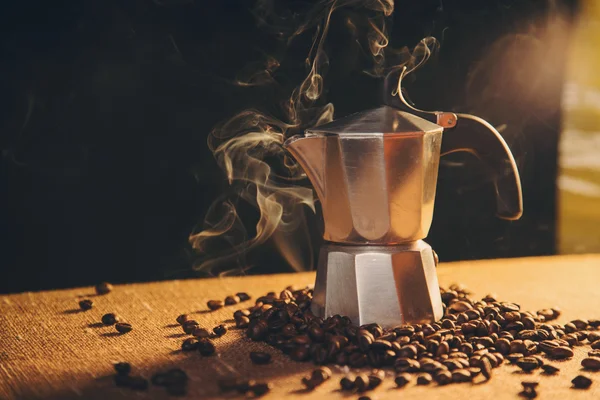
248, 146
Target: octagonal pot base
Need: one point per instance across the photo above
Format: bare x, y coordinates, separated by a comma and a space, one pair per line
389, 285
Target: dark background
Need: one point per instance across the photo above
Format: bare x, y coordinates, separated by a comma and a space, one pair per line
106, 107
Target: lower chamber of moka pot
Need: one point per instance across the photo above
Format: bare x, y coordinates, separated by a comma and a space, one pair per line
388, 285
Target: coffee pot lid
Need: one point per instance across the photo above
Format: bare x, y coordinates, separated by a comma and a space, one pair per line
380, 121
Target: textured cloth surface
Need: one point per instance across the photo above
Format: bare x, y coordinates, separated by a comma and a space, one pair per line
50, 349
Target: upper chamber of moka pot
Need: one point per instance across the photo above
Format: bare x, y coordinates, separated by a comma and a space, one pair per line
375, 174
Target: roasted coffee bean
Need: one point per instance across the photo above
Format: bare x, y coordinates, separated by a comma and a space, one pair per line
528, 393
461, 376
103, 288
375, 379
316, 333
231, 300
402, 379
593, 336
206, 347
486, 368
260, 357
242, 321
243, 296
123, 327
404, 330
220, 330
443, 377
86, 304
581, 382
200, 333
347, 383
357, 360
122, 368
424, 379
596, 345
110, 319
529, 384
321, 374
300, 353
364, 398
138, 383
189, 326
122, 380
364, 339
182, 319
561, 352
189, 344
591, 363
361, 382
459, 307
214, 304
528, 364
549, 369
594, 353
260, 389
257, 330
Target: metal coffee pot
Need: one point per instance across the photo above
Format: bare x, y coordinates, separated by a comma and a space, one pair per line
375, 174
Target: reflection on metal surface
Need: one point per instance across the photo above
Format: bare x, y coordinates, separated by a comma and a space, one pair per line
389, 285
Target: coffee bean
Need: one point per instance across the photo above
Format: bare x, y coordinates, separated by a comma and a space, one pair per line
138, 383
443, 377
596, 345
110, 319
242, 321
375, 380
424, 379
402, 379
561, 352
528, 364
231, 300
461, 375
364, 398
594, 353
459, 307
591, 363
86, 304
243, 296
257, 330
206, 347
259, 357
528, 393
321, 374
189, 326
260, 389
299, 353
220, 330
122, 368
123, 327
347, 383
581, 382
122, 380
200, 333
214, 304
486, 368
361, 382
189, 344
103, 288
549, 369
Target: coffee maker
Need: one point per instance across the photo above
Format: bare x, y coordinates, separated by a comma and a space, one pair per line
375, 174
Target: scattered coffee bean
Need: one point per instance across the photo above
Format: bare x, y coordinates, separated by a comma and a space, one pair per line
231, 300
214, 304
189, 326
123, 327
596, 345
591, 363
243, 296
260, 389
138, 383
122, 368
549, 369
86, 304
594, 353
110, 319
347, 383
424, 379
206, 347
220, 330
259, 357
242, 321
103, 288
189, 344
183, 318
562, 352
528, 364
581, 382
200, 333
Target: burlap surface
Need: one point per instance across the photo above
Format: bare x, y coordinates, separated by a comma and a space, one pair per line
50, 349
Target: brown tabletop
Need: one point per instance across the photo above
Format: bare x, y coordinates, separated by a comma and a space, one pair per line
50, 349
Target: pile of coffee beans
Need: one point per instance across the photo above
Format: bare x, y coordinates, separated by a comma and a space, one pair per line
229, 301
473, 338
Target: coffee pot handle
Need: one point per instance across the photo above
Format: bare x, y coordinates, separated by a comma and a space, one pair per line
476, 136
